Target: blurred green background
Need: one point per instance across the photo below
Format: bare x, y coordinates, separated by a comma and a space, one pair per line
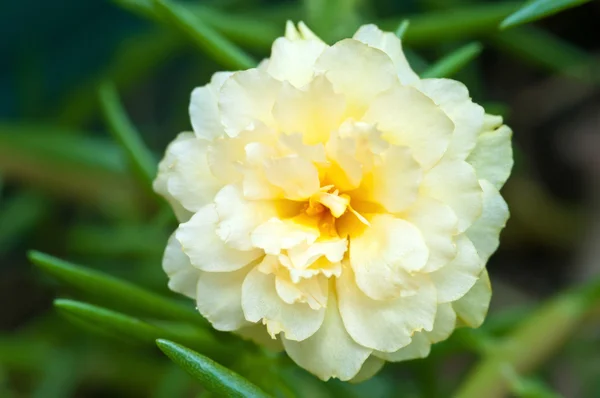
68, 187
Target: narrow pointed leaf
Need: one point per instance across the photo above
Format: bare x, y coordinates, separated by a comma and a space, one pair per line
211, 375
117, 293
538, 9
453, 62
140, 157
205, 37
401, 31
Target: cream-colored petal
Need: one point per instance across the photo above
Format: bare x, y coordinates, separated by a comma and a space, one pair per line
383, 256
293, 60
312, 291
205, 249
260, 301
408, 117
444, 324
238, 217
204, 109
330, 352
276, 235
438, 225
165, 171
453, 98
369, 369
304, 254
296, 176
492, 157
390, 44
385, 325
454, 280
455, 184
246, 99
190, 181
314, 111
419, 347
183, 277
258, 334
394, 182
219, 298
485, 231
348, 63
472, 308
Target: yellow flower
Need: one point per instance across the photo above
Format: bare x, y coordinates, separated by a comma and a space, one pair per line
336, 202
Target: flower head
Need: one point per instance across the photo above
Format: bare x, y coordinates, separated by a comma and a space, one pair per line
336, 202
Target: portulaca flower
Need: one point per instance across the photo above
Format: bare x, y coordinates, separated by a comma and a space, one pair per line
332, 201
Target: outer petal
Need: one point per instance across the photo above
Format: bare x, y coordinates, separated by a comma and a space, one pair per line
419, 347
408, 117
260, 301
219, 298
455, 184
330, 352
183, 277
444, 324
370, 368
205, 249
384, 254
456, 278
438, 225
239, 217
385, 325
346, 64
294, 60
390, 44
165, 172
472, 308
258, 334
485, 231
204, 110
394, 182
492, 158
453, 98
247, 97
314, 111
190, 181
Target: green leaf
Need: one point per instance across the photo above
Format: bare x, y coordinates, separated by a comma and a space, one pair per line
117, 293
142, 161
538, 9
453, 62
205, 37
401, 31
211, 375
452, 24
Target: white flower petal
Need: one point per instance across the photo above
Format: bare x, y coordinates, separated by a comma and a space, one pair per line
246, 98
492, 157
369, 369
455, 184
384, 254
205, 249
453, 98
444, 324
485, 231
419, 347
390, 44
293, 60
472, 308
219, 298
204, 109
330, 352
296, 176
183, 277
385, 325
314, 111
456, 278
408, 117
260, 301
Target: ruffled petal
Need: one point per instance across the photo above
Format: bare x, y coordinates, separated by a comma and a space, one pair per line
204, 109
385, 254
485, 231
296, 176
419, 347
183, 277
472, 308
455, 184
385, 325
369, 369
260, 301
408, 117
390, 44
330, 352
205, 249
293, 60
276, 235
444, 324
